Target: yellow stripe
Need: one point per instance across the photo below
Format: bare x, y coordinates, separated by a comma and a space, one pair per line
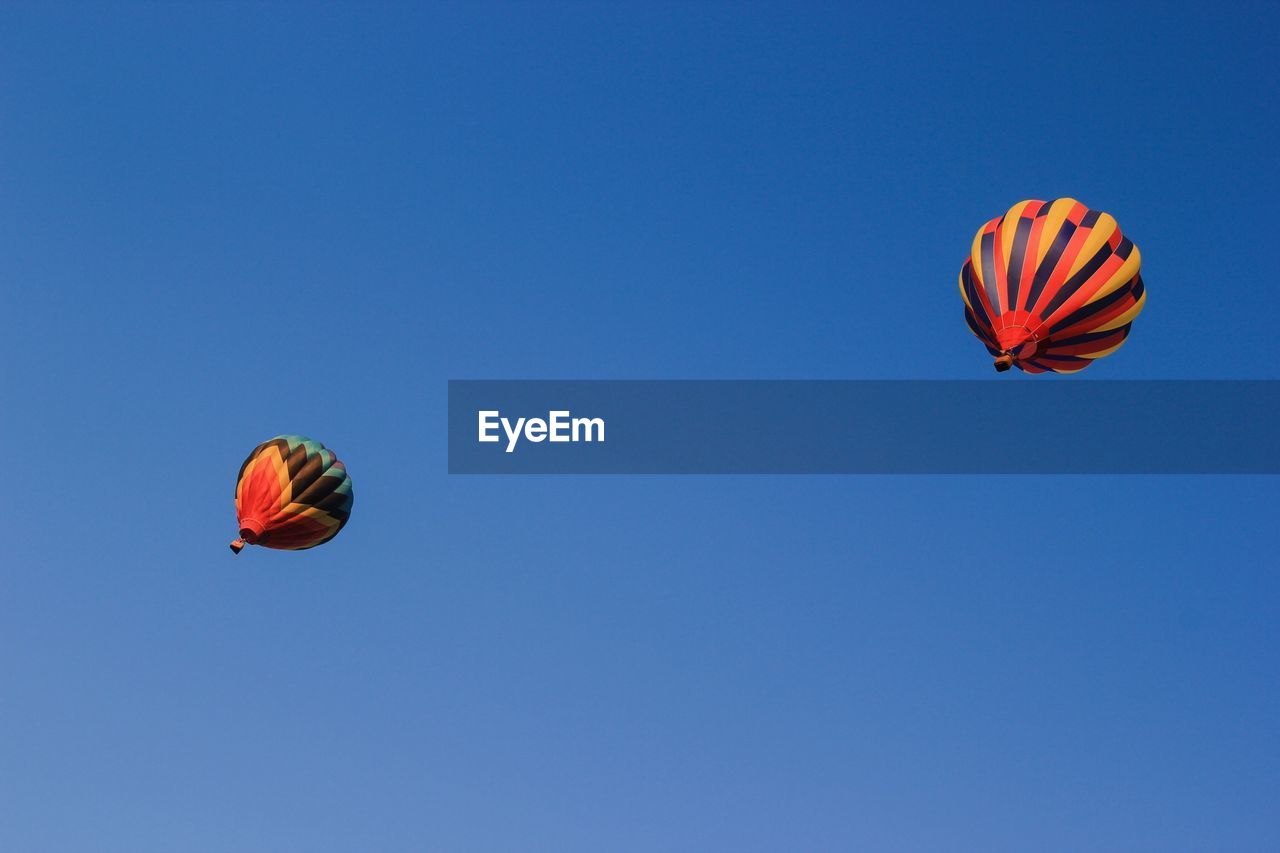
304, 511
1099, 234
1052, 225
1009, 228
240, 484
282, 476
975, 254
963, 295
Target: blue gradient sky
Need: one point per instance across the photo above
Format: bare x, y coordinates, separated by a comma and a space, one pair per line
223, 222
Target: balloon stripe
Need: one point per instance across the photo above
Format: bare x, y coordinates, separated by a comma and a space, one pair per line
1017, 254
989, 263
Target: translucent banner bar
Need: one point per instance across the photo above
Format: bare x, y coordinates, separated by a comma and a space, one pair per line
864, 427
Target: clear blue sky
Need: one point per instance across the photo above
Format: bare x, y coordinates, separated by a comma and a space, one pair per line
219, 223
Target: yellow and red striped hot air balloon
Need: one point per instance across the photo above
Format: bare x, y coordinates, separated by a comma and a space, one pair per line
292, 494
1051, 286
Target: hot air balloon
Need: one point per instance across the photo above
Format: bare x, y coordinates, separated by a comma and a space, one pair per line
292, 494
1050, 286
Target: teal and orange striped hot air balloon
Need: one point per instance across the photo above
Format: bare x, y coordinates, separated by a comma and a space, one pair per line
292, 494
1051, 286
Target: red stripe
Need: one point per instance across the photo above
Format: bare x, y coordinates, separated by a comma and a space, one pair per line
1082, 349
1001, 271
1029, 261
1087, 290
260, 491
1063, 267
1102, 318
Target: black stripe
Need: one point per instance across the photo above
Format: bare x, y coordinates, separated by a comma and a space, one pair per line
302, 479
989, 268
1016, 258
971, 292
320, 489
979, 332
1102, 304
1089, 336
1074, 283
1051, 258
296, 460
334, 503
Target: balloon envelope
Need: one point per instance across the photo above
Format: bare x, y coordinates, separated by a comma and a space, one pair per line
292, 494
1051, 286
